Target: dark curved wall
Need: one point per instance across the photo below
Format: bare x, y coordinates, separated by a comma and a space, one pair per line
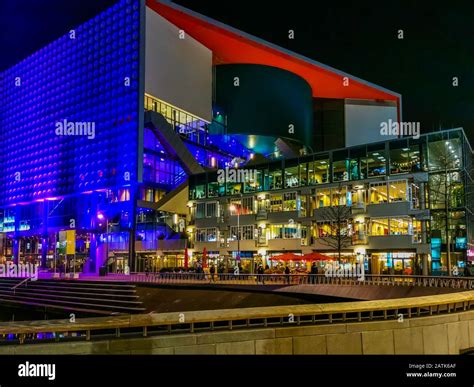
266, 102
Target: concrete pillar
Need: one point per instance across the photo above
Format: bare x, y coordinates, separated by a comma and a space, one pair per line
16, 250
424, 262
98, 254
422, 196
44, 251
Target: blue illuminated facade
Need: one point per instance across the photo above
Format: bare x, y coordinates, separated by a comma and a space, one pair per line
90, 76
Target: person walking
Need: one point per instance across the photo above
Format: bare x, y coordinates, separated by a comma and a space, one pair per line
212, 271
287, 274
314, 273
260, 276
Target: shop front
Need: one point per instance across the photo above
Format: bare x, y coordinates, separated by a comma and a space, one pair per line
393, 263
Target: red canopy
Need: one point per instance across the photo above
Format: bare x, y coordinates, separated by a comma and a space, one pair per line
286, 257
317, 257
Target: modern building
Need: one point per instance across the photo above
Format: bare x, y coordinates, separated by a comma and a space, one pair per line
105, 130
385, 203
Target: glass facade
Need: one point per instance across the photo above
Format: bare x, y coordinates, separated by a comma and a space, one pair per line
399, 174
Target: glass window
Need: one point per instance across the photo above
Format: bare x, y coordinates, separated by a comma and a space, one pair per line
378, 193
444, 153
233, 188
234, 207
276, 231
289, 201
324, 229
303, 173
416, 231
398, 190
276, 176
415, 195
417, 154
301, 205
323, 198
291, 173
212, 234
212, 190
319, 170
339, 196
247, 232
233, 233
399, 226
276, 203
446, 187
358, 196
357, 163
201, 210
340, 166
379, 226
399, 157
248, 205
201, 235
285, 231
376, 161
211, 210
255, 183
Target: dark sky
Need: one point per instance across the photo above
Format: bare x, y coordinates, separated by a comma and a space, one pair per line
360, 39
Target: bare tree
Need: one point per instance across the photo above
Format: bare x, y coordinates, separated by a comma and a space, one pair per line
339, 234
449, 189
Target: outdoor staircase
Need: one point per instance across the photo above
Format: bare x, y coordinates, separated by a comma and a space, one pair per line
85, 297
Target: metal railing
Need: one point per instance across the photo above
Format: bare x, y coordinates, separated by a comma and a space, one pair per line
462, 283
23, 282
230, 319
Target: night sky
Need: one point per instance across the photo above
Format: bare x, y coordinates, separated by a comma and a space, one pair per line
360, 39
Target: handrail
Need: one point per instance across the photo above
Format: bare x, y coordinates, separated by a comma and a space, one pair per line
465, 283
179, 322
20, 283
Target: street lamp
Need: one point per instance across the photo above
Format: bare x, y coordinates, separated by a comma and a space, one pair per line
233, 208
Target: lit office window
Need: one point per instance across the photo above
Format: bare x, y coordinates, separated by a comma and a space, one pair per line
318, 171
248, 205
378, 193
376, 161
291, 174
212, 234
379, 227
339, 196
235, 207
399, 226
289, 201
323, 198
276, 203
400, 161
276, 176
303, 174
397, 190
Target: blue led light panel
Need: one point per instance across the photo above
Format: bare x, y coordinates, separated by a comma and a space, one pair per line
69, 113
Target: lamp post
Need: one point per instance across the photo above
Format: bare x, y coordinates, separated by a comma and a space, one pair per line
234, 208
